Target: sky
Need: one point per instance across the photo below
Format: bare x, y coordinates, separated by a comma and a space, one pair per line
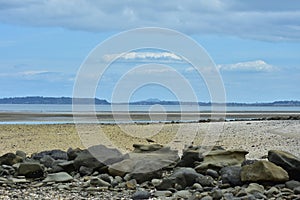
255, 46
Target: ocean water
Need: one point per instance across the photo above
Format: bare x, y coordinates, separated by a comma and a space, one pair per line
61, 108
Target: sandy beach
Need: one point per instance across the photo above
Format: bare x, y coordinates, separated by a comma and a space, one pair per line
257, 137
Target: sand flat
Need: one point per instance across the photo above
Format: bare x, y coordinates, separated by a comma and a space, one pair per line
257, 137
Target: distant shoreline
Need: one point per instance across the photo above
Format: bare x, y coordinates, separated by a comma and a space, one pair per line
96, 101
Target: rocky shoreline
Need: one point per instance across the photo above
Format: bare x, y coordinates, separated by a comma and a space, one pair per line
150, 171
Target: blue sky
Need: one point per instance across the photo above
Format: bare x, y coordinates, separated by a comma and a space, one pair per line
254, 44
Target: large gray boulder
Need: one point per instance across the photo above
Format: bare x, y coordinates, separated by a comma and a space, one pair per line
97, 157
263, 171
146, 165
231, 175
287, 161
58, 177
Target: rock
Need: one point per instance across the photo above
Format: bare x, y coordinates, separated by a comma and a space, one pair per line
18, 180
73, 153
131, 184
10, 159
297, 190
189, 157
292, 184
155, 182
205, 181
85, 171
97, 157
271, 192
183, 194
142, 148
31, 170
287, 161
207, 198
56, 154
182, 177
58, 177
145, 166
197, 187
216, 194
141, 195
106, 178
254, 187
263, 171
47, 161
21, 154
162, 193
218, 159
212, 173
231, 175
95, 181
67, 166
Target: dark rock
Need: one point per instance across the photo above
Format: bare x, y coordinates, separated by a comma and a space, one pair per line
31, 170
221, 158
10, 159
212, 173
231, 175
73, 153
47, 161
292, 184
85, 171
142, 148
287, 161
141, 195
181, 178
67, 166
96, 157
249, 162
263, 171
205, 181
189, 157
55, 154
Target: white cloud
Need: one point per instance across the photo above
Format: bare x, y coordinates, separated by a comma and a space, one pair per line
266, 20
144, 56
255, 66
33, 73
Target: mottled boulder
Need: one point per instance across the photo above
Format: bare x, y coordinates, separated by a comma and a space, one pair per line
218, 159
231, 175
145, 166
263, 171
31, 170
97, 157
56, 154
189, 157
10, 159
287, 161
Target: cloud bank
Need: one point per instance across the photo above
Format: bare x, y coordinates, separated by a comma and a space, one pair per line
264, 20
250, 66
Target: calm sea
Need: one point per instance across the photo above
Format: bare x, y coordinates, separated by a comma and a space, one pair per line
54, 108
